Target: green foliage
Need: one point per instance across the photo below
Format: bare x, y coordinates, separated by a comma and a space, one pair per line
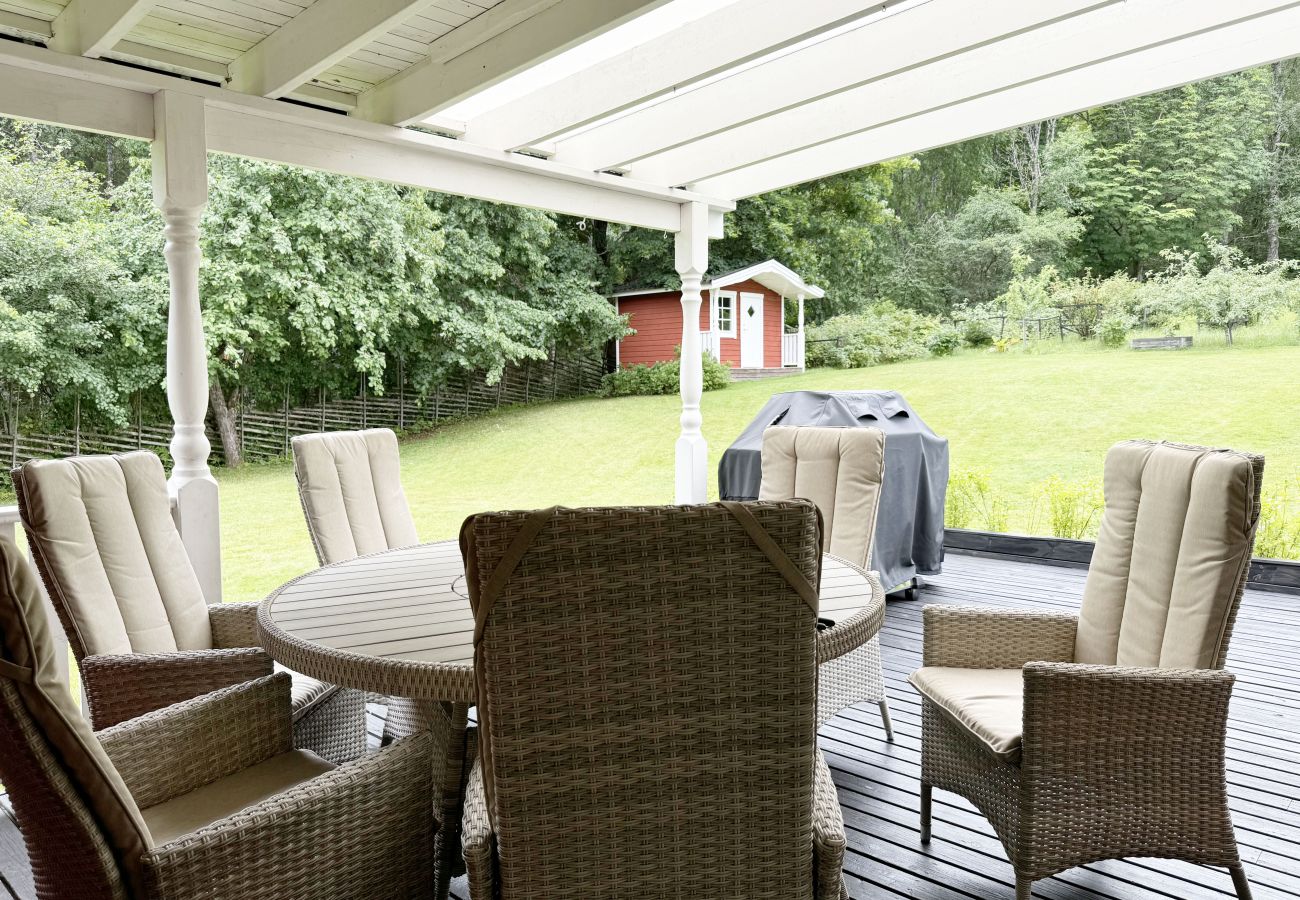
1278, 535
977, 332
1170, 167
661, 378
973, 503
73, 323
1232, 293
1073, 509
1114, 329
883, 334
944, 341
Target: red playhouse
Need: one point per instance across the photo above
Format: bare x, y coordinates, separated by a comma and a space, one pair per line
742, 320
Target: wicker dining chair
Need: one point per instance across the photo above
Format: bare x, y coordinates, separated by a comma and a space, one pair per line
107, 548
647, 688
203, 799
1102, 735
351, 492
842, 470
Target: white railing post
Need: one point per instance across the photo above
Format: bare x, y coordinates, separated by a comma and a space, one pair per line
180, 186
692, 255
801, 334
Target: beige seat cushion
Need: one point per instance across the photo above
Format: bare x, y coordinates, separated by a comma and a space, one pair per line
351, 491
988, 703
839, 469
27, 650
102, 528
1175, 540
226, 796
305, 692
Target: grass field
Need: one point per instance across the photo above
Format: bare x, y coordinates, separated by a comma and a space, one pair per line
1019, 417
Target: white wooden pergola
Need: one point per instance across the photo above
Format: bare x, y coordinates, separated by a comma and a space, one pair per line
646, 112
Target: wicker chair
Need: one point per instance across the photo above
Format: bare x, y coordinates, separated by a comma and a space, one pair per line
204, 799
104, 541
1102, 736
647, 684
351, 492
841, 470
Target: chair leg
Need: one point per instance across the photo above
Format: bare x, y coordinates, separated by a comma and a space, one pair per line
1239, 881
1024, 888
926, 792
889, 725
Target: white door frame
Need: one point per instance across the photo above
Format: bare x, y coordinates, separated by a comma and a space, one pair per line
750, 330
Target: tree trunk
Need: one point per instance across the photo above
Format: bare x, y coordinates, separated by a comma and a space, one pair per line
227, 428
1275, 165
600, 245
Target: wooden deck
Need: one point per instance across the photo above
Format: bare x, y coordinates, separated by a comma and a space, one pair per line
878, 781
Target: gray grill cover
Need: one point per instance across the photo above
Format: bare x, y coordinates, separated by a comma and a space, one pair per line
909, 528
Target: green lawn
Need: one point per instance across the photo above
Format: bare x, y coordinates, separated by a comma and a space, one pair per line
1019, 417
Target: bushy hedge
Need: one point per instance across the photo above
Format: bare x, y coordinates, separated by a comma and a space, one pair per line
661, 378
882, 334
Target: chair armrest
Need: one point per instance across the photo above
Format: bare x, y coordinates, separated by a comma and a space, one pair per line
328, 833
179, 748
478, 842
1124, 737
828, 835
123, 687
233, 625
972, 637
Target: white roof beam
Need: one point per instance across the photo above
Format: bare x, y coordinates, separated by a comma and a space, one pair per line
489, 48
1026, 56
660, 66
320, 36
93, 94
1207, 54
893, 43
90, 27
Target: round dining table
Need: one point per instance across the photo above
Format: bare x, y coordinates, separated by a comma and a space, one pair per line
398, 623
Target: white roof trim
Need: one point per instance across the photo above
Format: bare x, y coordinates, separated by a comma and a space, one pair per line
770, 273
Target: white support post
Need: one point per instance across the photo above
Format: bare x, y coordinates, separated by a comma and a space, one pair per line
180, 186
802, 339
692, 245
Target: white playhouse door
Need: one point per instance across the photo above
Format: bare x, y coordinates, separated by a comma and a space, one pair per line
751, 331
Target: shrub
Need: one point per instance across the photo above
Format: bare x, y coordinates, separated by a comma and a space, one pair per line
977, 333
1278, 536
1072, 508
661, 378
944, 341
972, 503
882, 334
1114, 329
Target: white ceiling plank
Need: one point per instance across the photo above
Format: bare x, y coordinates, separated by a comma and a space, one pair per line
881, 48
1029, 55
326, 33
23, 25
90, 93
90, 27
697, 50
501, 42
1205, 55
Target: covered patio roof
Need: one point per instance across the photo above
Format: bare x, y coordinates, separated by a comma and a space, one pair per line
655, 113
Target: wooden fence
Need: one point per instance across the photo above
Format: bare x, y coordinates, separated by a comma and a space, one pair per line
266, 433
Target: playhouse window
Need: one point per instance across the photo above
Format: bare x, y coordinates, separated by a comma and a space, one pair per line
724, 314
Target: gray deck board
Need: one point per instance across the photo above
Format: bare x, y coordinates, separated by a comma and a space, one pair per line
878, 789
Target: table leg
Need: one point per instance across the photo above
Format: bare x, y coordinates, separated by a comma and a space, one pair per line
449, 723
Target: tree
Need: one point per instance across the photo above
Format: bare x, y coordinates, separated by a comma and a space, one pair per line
1169, 167
1230, 293
74, 325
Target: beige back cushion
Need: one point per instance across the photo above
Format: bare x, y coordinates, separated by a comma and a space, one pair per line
351, 489
1172, 554
27, 651
103, 531
839, 469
